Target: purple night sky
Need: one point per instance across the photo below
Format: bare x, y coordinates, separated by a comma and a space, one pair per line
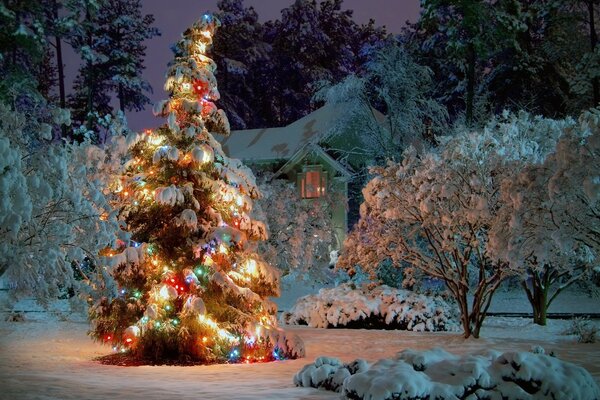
172, 17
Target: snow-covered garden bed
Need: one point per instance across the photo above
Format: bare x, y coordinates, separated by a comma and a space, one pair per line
437, 374
383, 307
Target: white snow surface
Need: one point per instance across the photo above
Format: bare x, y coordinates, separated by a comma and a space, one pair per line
346, 303
48, 357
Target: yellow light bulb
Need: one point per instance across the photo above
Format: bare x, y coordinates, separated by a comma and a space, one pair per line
156, 140
250, 267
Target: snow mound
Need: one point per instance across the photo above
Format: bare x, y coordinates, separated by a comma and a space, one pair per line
382, 307
328, 373
437, 374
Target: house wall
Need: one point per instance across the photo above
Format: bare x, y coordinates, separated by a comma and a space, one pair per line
337, 188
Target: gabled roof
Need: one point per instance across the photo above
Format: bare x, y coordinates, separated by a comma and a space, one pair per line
281, 143
308, 149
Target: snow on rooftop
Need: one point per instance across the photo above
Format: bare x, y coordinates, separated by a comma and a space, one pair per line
283, 142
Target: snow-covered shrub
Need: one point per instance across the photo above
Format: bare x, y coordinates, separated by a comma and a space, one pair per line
328, 373
347, 306
584, 329
437, 374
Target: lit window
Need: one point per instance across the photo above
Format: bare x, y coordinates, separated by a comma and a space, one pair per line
312, 183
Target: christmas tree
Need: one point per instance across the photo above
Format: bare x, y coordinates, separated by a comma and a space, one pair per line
191, 287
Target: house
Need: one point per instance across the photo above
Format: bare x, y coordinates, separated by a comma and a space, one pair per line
301, 153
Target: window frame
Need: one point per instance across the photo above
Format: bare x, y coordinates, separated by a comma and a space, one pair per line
321, 190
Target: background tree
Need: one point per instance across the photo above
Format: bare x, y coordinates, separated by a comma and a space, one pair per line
314, 43
586, 79
463, 21
239, 51
110, 42
195, 289
434, 212
531, 73
22, 48
398, 87
90, 96
123, 30
550, 233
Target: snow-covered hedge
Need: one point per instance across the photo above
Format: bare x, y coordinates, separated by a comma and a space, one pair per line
437, 374
381, 307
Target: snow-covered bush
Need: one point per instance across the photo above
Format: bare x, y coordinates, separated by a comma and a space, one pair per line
584, 329
437, 374
328, 373
434, 211
346, 306
53, 213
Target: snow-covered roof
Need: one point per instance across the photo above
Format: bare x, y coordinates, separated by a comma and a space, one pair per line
283, 142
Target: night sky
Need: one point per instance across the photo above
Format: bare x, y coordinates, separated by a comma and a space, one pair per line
174, 16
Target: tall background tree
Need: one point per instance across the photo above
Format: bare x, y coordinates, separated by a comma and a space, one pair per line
110, 40
239, 52
313, 41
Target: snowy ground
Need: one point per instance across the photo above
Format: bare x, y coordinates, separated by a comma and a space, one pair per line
45, 358
49, 359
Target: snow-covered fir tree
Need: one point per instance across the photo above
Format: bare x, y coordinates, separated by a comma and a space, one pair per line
192, 287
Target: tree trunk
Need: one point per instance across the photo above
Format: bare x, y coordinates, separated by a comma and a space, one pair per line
59, 62
540, 303
593, 42
471, 57
61, 73
121, 99
90, 73
538, 294
463, 306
